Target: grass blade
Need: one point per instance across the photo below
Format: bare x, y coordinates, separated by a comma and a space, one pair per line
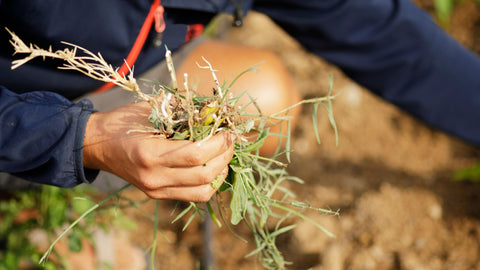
315, 122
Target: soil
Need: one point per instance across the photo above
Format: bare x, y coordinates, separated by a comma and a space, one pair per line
390, 176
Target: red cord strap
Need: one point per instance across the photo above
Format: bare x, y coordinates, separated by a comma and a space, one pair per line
155, 13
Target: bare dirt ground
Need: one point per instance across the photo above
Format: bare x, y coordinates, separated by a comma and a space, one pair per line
390, 176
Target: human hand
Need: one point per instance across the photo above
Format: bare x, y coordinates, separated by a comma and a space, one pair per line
161, 168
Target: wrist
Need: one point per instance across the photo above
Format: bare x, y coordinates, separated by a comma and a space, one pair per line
91, 143
82, 173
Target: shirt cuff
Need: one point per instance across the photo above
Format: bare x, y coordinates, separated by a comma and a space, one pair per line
83, 174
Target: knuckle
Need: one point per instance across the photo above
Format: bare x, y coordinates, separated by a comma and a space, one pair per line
206, 193
150, 183
143, 158
156, 195
194, 158
151, 195
206, 177
202, 179
203, 197
209, 177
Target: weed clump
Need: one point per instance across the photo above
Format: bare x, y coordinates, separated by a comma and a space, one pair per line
254, 183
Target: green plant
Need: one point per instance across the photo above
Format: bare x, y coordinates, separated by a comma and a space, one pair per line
45, 210
471, 173
254, 184
444, 8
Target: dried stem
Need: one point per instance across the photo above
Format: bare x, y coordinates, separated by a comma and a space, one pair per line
189, 101
89, 64
209, 67
171, 69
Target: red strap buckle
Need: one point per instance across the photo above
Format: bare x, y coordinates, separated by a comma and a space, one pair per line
193, 31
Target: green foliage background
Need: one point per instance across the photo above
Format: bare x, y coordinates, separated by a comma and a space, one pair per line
52, 208
444, 10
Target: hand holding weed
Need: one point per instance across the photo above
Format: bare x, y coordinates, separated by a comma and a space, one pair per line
163, 169
176, 144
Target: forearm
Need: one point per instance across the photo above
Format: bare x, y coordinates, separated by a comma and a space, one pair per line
42, 138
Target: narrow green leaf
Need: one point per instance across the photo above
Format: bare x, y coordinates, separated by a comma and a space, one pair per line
315, 122
320, 227
183, 213
283, 230
257, 250
213, 216
190, 219
74, 223
258, 143
330, 108
252, 68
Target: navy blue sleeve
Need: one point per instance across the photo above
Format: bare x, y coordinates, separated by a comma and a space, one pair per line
394, 49
41, 138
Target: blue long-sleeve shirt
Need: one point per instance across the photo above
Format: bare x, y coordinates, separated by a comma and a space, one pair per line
389, 46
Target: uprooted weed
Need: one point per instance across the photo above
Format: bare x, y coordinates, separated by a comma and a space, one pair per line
254, 183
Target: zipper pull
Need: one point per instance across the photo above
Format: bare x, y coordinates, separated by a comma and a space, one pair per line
159, 25
238, 14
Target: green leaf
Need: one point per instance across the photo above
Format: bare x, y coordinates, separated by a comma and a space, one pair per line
256, 251
315, 122
228, 182
282, 230
198, 100
56, 214
183, 213
470, 173
252, 68
190, 219
8, 261
247, 126
257, 144
181, 136
201, 132
239, 200
311, 221
288, 143
213, 215
330, 109
81, 205
444, 9
50, 266
75, 241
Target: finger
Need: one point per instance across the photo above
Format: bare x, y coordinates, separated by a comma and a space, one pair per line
192, 176
201, 193
188, 194
198, 153
217, 183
